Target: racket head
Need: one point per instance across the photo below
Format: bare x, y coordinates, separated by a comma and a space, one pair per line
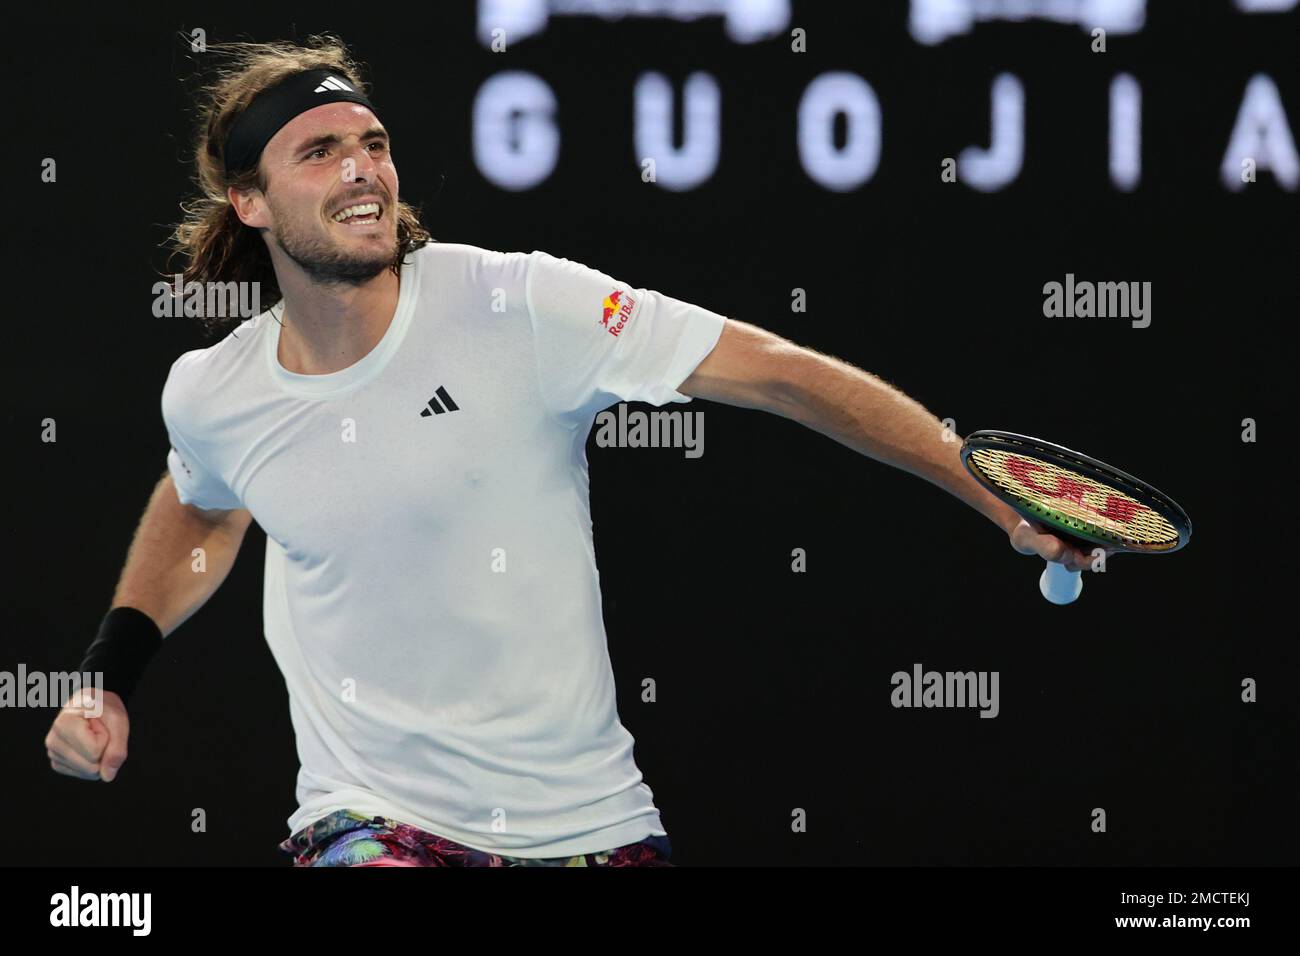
1074, 495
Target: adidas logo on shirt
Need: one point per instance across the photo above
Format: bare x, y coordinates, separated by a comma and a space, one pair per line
433, 408
333, 83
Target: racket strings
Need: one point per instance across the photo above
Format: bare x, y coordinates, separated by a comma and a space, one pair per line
1076, 501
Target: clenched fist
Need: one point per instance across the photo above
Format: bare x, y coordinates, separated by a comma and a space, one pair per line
88, 747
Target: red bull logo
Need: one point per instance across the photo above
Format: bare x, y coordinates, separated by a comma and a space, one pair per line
616, 310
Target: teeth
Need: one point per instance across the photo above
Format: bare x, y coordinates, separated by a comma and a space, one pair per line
364, 209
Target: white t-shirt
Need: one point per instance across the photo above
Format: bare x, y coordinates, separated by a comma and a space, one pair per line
431, 592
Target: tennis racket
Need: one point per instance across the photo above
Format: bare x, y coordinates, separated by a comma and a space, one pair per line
1074, 497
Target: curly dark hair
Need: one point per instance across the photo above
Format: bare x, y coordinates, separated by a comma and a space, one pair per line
218, 247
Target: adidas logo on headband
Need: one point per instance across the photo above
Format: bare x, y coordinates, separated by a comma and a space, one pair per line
273, 108
333, 83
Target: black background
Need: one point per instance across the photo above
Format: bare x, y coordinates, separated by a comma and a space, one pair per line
773, 687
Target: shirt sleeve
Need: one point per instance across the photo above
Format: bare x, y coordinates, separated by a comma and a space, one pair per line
196, 483
600, 341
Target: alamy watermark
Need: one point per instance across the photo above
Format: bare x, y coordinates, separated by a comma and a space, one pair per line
52, 689
947, 689
206, 299
640, 429
75, 908
1086, 300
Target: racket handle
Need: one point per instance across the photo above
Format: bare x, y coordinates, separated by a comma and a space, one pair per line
1059, 585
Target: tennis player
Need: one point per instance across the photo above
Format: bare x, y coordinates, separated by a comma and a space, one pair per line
407, 423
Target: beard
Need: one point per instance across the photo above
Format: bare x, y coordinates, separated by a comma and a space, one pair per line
333, 260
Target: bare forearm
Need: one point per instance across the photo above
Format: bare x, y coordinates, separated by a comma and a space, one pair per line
865, 413
163, 577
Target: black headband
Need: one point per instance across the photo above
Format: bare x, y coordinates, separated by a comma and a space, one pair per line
273, 108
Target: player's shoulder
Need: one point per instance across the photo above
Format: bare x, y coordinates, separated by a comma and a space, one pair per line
478, 258
236, 345
471, 262
204, 369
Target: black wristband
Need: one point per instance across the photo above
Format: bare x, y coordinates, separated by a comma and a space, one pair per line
128, 639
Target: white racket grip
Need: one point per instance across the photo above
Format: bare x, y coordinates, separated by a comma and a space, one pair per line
1059, 585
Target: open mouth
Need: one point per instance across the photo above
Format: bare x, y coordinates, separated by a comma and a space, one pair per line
362, 214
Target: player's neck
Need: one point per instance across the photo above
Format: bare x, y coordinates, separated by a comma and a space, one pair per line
328, 329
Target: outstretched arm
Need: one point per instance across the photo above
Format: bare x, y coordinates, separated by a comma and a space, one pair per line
753, 368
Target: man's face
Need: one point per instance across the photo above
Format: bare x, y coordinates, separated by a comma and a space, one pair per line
322, 162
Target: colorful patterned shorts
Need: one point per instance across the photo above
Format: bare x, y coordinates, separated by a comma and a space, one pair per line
347, 838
